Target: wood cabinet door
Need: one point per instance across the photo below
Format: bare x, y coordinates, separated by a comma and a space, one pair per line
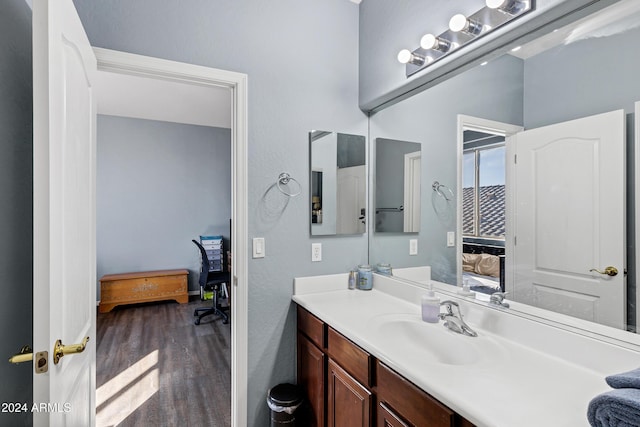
387, 418
349, 403
311, 375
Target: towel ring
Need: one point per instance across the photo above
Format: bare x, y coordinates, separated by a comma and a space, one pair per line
437, 187
284, 179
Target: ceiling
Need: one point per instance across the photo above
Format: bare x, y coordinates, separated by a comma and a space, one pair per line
154, 99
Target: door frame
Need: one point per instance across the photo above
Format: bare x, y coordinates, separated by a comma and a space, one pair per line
498, 128
237, 83
636, 206
412, 209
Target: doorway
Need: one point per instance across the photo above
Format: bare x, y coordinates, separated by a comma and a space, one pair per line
482, 211
200, 83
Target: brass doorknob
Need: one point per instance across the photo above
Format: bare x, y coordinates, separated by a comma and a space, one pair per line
60, 350
25, 355
609, 271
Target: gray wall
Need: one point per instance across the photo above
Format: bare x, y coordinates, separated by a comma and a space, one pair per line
290, 93
16, 186
491, 92
572, 81
352, 150
386, 27
159, 185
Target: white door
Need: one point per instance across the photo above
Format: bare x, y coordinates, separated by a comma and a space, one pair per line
351, 200
64, 281
570, 218
412, 173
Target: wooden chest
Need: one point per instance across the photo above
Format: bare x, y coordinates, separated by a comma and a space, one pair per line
145, 286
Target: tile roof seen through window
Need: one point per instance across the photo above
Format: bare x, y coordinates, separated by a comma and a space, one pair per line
492, 204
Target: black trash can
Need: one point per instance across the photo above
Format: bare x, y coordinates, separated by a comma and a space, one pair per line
284, 400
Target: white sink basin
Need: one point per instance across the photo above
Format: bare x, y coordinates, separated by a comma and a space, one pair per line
432, 342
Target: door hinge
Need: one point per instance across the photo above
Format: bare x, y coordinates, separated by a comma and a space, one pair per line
515, 159
515, 240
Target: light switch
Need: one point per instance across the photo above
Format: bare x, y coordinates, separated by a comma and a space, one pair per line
258, 247
451, 238
413, 247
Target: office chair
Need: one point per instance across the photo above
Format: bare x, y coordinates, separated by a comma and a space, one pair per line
213, 280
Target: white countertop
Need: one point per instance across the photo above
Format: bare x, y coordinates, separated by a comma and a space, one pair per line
516, 385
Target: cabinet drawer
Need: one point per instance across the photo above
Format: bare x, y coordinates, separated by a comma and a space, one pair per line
387, 418
351, 357
311, 326
410, 402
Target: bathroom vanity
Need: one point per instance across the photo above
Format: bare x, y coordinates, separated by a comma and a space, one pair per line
366, 358
357, 385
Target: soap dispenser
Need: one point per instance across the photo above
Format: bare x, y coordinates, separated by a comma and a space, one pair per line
430, 307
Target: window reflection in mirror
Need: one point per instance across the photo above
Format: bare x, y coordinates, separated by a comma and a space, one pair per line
338, 183
398, 176
483, 183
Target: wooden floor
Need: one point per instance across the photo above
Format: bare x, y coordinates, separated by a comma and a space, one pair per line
156, 368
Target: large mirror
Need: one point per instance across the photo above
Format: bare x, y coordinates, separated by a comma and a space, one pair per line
338, 183
468, 123
397, 186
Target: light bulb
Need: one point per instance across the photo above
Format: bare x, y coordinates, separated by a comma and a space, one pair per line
495, 4
512, 7
404, 56
428, 41
460, 22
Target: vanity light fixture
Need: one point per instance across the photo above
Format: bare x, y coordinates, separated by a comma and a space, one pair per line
463, 29
460, 22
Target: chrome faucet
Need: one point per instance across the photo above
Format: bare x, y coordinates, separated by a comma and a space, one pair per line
455, 322
497, 298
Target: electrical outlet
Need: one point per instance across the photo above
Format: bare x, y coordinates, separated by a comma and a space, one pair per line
316, 252
413, 247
